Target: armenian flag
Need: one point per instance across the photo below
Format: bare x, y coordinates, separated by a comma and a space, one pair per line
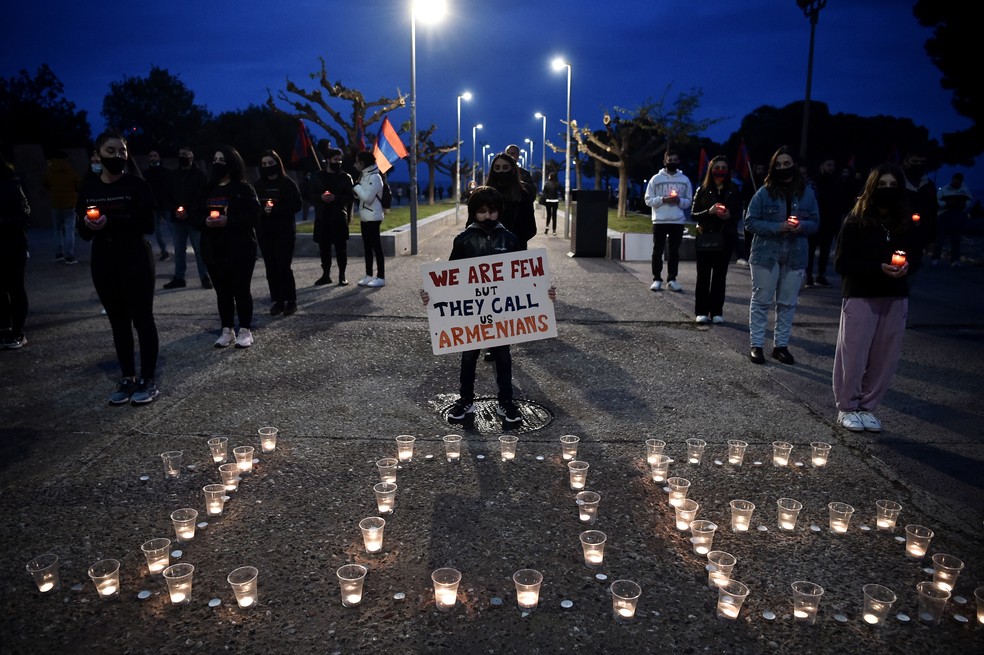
388, 147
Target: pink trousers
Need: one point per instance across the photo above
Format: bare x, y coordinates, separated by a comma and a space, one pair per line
869, 344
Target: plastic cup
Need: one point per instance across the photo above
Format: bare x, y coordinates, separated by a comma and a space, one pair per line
821, 453
184, 523
789, 510
654, 447
178, 579
230, 476
243, 583
268, 439
917, 538
686, 511
593, 547
404, 447
385, 497
244, 458
946, 570
452, 447
741, 515
719, 567
445, 587
214, 499
578, 472
679, 487
932, 602
780, 453
158, 554
736, 451
695, 450
806, 601
507, 447
731, 595
887, 513
840, 517
568, 447
527, 583
703, 536
387, 469
372, 533
172, 463
625, 597
979, 597
351, 579
660, 468
44, 570
105, 575
587, 506
220, 449
878, 601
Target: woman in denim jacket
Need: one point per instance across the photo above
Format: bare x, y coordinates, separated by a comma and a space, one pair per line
780, 216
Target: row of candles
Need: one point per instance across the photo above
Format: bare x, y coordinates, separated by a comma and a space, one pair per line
105, 574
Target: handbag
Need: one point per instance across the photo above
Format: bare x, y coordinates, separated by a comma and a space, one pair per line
709, 242
540, 200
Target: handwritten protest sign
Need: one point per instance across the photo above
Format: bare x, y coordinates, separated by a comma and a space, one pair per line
483, 302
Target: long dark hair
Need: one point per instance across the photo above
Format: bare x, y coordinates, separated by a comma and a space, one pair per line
512, 190
709, 182
867, 213
794, 187
280, 163
237, 168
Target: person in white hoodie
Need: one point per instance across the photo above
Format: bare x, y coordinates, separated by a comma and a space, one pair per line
669, 193
369, 191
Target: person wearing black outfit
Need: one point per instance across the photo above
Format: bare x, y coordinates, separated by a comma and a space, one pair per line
921, 197
159, 179
115, 211
280, 200
187, 181
717, 209
227, 214
15, 215
331, 195
553, 193
517, 214
832, 200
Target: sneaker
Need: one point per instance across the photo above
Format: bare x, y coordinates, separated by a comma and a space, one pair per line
342, 282
868, 421
850, 421
206, 282
364, 281
226, 338
656, 286
703, 318
71, 260
9, 342
808, 284
742, 262
323, 280
377, 282
717, 319
176, 283
165, 255
489, 356
59, 257
124, 391
509, 412
460, 408
146, 392
290, 307
674, 285
244, 339
278, 308
822, 281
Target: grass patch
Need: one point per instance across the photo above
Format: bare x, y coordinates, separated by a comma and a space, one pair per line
633, 222
395, 216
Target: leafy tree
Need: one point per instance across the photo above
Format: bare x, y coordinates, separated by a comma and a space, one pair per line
251, 131
157, 112
33, 110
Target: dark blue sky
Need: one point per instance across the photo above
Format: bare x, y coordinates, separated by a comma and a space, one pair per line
869, 56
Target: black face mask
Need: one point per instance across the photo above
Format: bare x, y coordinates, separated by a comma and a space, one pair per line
719, 176
335, 166
269, 171
915, 173
220, 170
184, 162
155, 164
783, 174
672, 167
488, 226
887, 197
501, 179
114, 165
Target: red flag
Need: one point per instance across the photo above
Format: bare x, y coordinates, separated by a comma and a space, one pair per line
302, 144
360, 134
388, 147
702, 165
743, 165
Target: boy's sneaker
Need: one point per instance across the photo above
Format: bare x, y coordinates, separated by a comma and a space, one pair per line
124, 391
742, 261
703, 318
146, 392
674, 286
460, 408
376, 282
71, 260
226, 338
59, 257
657, 285
245, 338
10, 342
364, 281
509, 412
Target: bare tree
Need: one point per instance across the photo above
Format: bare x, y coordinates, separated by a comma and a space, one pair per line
432, 154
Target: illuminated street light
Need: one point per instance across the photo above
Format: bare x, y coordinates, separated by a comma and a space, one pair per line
543, 150
456, 177
474, 151
559, 64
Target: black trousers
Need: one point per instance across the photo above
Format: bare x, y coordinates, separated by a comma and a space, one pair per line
712, 276
552, 215
341, 256
821, 241
503, 373
231, 280
13, 294
661, 233
278, 254
373, 245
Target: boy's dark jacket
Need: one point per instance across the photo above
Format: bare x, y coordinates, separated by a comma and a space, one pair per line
474, 241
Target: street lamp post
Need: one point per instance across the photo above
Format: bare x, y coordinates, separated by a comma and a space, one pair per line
456, 177
543, 150
558, 64
485, 160
530, 160
811, 9
474, 151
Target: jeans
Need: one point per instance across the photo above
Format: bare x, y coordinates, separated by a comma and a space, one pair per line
661, 233
780, 284
162, 218
183, 233
503, 373
63, 220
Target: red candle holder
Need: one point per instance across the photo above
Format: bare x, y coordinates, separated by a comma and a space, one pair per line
898, 258
792, 220
92, 213
916, 218
214, 214
269, 203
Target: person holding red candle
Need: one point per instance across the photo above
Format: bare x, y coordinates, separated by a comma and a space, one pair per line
276, 233
717, 210
875, 297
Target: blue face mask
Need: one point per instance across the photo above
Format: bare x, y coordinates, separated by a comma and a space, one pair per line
96, 167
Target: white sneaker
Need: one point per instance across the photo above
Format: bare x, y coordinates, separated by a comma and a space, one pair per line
850, 421
868, 420
717, 319
228, 336
703, 318
674, 285
244, 339
376, 282
656, 286
365, 281
742, 262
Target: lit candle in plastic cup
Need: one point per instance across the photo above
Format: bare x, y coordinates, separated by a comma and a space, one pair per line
932, 602
878, 601
898, 258
446, 582
385, 497
243, 583
686, 511
404, 447
887, 514
220, 449
568, 447
172, 463
789, 510
792, 220
719, 567
840, 517
660, 468
215, 497
507, 447
654, 447
184, 523
695, 450
178, 579
372, 533
679, 487
527, 583
731, 595
351, 579
806, 601
736, 451
387, 469
587, 506
780, 453
917, 538
105, 575
979, 597
946, 570
821, 453
593, 547
268, 439
92, 213
741, 515
916, 218
703, 536
158, 554
230, 476
625, 597
244, 458
44, 570
452, 447
578, 474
